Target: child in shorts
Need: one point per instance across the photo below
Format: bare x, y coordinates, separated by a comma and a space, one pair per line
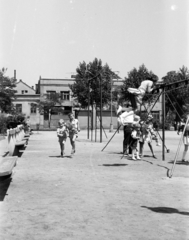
73, 128
62, 135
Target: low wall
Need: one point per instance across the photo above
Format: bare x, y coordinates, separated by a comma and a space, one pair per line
95, 121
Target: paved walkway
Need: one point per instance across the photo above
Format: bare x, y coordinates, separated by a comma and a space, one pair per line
95, 195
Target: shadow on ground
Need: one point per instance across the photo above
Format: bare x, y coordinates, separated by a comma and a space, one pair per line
4, 185
114, 165
180, 163
58, 156
166, 210
19, 151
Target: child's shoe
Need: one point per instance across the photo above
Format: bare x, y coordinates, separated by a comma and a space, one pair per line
73, 151
133, 158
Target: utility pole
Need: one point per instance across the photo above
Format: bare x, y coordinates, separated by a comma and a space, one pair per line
88, 108
163, 123
111, 124
100, 108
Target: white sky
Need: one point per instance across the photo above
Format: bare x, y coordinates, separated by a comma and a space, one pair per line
49, 38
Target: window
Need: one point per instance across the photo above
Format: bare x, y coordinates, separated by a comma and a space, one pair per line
19, 108
50, 94
24, 91
65, 95
33, 108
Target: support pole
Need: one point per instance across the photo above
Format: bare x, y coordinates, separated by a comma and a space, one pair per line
100, 108
88, 109
111, 123
163, 123
92, 116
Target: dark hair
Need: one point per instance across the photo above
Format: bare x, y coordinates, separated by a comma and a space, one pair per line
69, 114
152, 78
128, 105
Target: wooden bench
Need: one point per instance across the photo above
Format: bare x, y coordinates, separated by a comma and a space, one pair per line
16, 140
6, 165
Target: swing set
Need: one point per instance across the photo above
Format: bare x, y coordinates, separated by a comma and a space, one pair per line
164, 89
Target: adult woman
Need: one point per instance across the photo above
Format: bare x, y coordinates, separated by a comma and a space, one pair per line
185, 141
127, 118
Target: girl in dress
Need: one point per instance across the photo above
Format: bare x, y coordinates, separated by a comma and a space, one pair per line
185, 141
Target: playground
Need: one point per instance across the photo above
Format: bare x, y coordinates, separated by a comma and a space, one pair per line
96, 194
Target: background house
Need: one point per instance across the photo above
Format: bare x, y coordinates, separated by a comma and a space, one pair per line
26, 102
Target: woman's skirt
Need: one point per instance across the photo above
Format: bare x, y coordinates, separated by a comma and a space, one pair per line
186, 140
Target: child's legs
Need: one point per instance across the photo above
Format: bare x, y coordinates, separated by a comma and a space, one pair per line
132, 98
151, 149
185, 151
62, 144
141, 148
72, 140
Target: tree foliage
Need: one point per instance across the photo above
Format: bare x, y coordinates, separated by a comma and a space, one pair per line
7, 92
47, 104
89, 78
177, 98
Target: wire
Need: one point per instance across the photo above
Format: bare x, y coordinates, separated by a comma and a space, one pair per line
177, 103
173, 106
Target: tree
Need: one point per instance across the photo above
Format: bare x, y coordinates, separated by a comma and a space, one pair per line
177, 99
134, 79
89, 78
47, 105
7, 92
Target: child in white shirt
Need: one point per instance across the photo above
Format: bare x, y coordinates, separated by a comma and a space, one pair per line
73, 128
137, 94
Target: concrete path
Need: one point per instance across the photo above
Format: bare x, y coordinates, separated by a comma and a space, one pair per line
95, 195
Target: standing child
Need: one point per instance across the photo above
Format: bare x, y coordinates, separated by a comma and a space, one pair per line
146, 136
73, 127
62, 135
135, 136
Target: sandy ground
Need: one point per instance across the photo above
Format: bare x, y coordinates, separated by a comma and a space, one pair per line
95, 195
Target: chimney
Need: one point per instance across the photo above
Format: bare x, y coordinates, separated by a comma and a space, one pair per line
15, 74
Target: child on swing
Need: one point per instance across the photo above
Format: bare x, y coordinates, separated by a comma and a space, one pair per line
137, 94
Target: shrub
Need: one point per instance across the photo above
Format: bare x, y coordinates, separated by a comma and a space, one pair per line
3, 124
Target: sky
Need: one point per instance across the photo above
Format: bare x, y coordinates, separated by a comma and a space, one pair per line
49, 38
